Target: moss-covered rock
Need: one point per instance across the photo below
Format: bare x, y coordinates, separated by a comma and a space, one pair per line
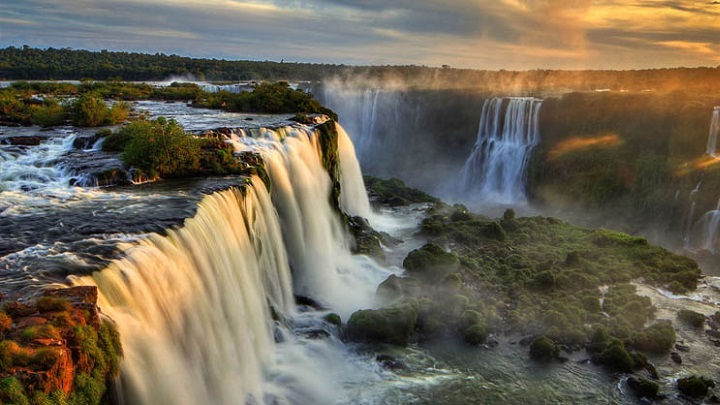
58, 349
695, 386
691, 318
431, 263
543, 349
393, 325
615, 357
643, 388
394, 192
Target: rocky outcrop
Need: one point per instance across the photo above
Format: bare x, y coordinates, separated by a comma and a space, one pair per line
57, 346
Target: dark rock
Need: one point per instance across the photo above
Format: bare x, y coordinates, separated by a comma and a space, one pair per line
23, 140
307, 301
713, 333
675, 356
643, 388
85, 142
682, 348
389, 362
317, 334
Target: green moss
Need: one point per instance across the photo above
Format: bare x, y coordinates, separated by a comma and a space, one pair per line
333, 319
12, 392
390, 325
656, 338
695, 386
431, 263
328, 139
52, 304
692, 318
543, 349
616, 358
394, 192
643, 388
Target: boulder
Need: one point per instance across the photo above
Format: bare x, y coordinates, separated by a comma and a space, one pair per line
394, 325
431, 263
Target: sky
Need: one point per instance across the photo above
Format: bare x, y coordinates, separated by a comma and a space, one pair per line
478, 34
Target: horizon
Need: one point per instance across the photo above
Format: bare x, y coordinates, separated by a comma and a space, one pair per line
484, 35
352, 66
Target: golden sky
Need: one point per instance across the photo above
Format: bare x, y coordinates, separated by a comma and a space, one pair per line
484, 34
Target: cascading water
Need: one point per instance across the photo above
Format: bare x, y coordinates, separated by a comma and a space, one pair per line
710, 230
714, 131
192, 307
508, 132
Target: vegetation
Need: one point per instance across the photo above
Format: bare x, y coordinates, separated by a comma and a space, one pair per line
29, 63
692, 318
695, 386
394, 192
83, 354
27, 107
637, 154
643, 388
543, 349
566, 286
162, 148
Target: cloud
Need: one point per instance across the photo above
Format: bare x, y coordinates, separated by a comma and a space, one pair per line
495, 34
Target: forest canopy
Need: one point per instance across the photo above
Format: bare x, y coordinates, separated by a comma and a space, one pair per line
28, 63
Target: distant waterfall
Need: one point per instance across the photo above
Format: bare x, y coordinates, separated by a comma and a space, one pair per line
714, 131
710, 230
509, 130
193, 307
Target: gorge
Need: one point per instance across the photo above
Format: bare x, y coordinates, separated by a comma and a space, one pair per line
243, 289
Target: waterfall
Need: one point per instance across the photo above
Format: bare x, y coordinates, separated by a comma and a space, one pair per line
358, 111
192, 306
710, 228
714, 130
508, 131
193, 309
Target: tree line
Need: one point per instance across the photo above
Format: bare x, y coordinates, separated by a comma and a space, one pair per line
28, 63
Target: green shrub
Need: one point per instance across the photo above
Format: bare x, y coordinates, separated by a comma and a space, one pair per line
118, 113
694, 386
657, 338
50, 113
89, 110
543, 349
615, 357
160, 148
475, 334
692, 318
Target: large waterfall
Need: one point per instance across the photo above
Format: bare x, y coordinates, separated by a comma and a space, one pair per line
509, 130
714, 131
194, 307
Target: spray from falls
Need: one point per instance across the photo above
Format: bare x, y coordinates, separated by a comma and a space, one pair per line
508, 132
714, 131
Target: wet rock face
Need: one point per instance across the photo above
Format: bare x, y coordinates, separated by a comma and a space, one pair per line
53, 342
